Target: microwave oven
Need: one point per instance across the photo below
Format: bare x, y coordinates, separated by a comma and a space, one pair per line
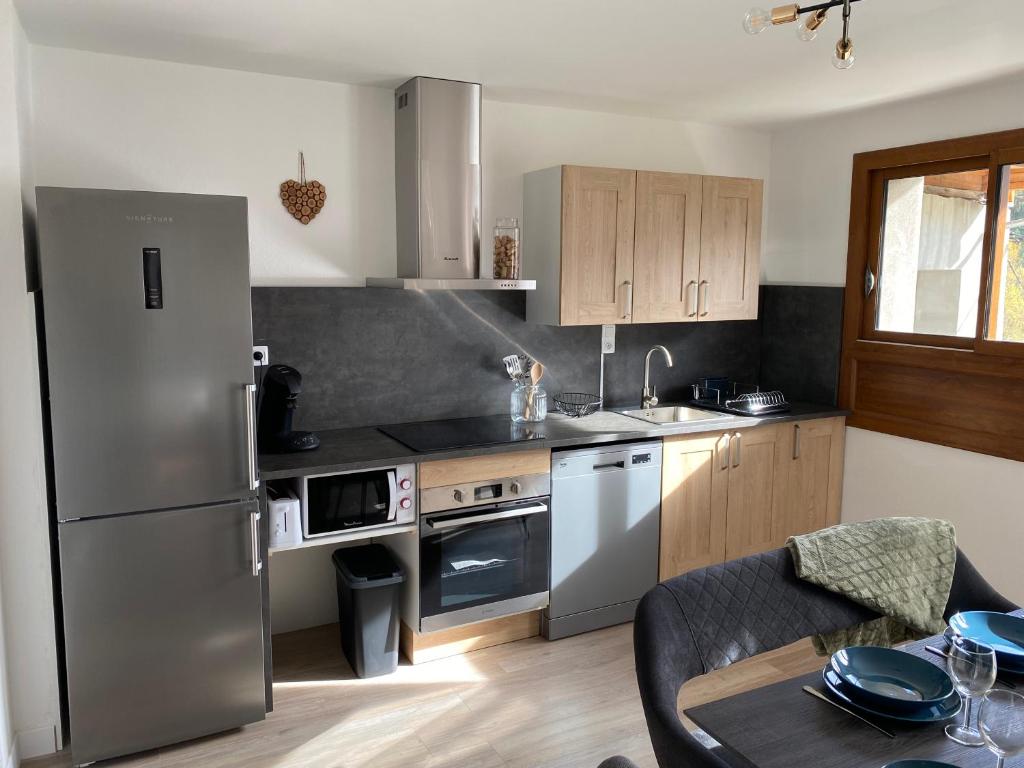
343, 502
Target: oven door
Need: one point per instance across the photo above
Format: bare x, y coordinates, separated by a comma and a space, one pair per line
483, 562
333, 504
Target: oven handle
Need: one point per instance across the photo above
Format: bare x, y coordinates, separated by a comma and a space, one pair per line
392, 495
504, 514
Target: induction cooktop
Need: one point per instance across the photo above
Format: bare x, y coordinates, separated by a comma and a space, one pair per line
450, 434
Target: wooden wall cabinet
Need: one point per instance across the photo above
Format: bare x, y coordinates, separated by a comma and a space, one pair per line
733, 494
619, 246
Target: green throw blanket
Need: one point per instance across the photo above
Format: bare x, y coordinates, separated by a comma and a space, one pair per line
901, 567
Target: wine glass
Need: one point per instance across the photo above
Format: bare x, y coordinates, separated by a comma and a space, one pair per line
972, 668
1001, 722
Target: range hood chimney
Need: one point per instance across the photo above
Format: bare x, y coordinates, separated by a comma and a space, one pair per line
437, 189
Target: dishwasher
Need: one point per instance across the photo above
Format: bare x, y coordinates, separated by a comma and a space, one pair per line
605, 527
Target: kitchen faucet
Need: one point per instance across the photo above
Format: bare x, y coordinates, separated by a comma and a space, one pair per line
650, 397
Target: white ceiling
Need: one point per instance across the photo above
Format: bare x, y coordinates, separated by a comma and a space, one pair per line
685, 59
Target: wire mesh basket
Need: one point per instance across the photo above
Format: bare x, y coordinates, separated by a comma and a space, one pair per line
577, 404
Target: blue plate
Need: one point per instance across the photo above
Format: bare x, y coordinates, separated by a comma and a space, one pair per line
1003, 663
1004, 633
949, 707
889, 680
918, 764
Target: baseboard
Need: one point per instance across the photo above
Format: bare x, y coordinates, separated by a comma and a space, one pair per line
587, 621
36, 742
419, 648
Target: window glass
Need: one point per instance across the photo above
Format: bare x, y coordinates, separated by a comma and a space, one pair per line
931, 252
1006, 310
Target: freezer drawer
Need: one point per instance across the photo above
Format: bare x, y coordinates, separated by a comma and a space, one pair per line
605, 521
163, 627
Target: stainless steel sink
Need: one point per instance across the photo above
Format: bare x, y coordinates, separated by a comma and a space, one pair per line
676, 414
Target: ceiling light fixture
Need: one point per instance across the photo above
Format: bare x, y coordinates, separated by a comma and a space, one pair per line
811, 18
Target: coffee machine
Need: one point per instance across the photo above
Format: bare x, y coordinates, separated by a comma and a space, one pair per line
282, 386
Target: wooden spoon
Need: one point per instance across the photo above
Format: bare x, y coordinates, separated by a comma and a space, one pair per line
536, 372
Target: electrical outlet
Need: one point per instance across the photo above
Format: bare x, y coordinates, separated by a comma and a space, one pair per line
607, 339
260, 356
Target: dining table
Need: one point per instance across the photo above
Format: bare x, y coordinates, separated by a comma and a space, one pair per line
782, 726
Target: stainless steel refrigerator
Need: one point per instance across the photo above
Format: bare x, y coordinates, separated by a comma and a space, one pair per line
148, 337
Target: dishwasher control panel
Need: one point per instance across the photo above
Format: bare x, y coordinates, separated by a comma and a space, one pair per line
616, 457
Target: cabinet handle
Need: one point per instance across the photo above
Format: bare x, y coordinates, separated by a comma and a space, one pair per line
694, 304
629, 299
704, 288
723, 454
738, 442
796, 441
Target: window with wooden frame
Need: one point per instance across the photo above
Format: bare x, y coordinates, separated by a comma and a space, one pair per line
933, 331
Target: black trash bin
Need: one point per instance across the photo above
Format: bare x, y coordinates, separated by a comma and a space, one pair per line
369, 582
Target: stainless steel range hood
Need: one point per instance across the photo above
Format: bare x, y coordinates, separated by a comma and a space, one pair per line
437, 189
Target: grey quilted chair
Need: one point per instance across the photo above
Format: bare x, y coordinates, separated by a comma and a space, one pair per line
711, 617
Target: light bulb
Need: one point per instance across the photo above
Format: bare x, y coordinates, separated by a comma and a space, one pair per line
757, 20
807, 29
804, 32
842, 57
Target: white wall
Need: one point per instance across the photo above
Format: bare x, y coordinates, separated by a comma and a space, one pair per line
981, 495
811, 162
108, 121
111, 121
808, 224
28, 627
9, 170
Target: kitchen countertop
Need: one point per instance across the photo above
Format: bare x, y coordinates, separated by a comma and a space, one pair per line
366, 447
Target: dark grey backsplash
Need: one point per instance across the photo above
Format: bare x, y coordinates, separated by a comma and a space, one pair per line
801, 339
379, 356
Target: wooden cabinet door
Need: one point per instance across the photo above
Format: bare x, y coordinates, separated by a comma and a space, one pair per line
598, 208
752, 462
809, 477
694, 488
730, 248
666, 256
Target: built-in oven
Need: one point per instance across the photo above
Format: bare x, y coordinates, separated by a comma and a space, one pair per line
341, 502
484, 550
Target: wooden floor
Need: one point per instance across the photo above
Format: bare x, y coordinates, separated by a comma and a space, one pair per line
531, 703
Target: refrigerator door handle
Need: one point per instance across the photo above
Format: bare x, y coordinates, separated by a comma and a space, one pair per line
250, 436
254, 536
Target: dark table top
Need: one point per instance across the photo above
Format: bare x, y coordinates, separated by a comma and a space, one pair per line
780, 726
366, 447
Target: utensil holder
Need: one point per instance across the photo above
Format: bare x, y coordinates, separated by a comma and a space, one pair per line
529, 403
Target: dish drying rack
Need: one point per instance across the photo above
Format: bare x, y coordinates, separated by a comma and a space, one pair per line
742, 399
759, 402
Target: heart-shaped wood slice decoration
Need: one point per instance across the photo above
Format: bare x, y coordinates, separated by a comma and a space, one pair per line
303, 200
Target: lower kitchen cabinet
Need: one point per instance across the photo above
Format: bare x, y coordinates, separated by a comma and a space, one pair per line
733, 494
694, 495
752, 484
810, 473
